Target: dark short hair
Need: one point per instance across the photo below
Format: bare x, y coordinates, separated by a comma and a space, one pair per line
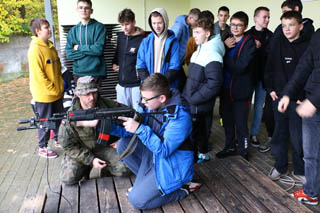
207, 15
194, 12
292, 4
157, 83
36, 23
258, 9
126, 15
242, 16
155, 14
292, 15
88, 1
224, 8
205, 24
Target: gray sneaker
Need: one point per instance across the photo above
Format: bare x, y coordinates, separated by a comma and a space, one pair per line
300, 178
275, 175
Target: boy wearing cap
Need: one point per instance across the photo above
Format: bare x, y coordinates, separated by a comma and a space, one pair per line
46, 82
81, 150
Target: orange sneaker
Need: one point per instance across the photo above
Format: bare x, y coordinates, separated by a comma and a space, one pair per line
303, 198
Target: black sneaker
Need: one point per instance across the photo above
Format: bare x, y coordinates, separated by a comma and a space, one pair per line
254, 141
226, 153
265, 147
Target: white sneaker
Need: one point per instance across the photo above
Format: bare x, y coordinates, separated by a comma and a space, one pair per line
275, 175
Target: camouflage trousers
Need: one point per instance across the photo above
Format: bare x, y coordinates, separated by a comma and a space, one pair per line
73, 171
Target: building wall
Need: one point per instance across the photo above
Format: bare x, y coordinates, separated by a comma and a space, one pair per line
106, 11
310, 9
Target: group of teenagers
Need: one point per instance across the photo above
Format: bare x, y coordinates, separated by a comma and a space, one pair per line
179, 73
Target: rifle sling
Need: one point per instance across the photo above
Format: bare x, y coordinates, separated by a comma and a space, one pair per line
130, 148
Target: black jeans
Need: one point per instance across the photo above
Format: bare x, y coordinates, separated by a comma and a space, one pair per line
46, 110
288, 127
268, 116
235, 119
200, 133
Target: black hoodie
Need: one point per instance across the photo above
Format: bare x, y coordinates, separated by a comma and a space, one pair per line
282, 61
126, 57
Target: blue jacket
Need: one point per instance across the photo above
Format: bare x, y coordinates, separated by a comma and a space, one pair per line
173, 164
205, 76
181, 31
171, 64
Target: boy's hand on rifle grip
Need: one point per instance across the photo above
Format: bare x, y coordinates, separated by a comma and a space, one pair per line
129, 124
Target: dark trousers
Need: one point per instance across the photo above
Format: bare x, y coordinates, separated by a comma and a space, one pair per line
46, 110
288, 127
235, 119
200, 130
268, 116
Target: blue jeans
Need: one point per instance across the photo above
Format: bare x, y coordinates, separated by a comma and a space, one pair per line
311, 150
145, 193
288, 128
259, 98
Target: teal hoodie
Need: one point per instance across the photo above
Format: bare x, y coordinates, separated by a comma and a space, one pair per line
88, 59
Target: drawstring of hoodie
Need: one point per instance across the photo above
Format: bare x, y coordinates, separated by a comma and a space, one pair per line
86, 34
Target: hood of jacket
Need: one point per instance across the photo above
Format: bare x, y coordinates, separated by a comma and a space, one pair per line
213, 50
164, 15
36, 40
85, 28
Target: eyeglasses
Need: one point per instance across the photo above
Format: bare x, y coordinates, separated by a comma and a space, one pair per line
236, 25
149, 99
84, 8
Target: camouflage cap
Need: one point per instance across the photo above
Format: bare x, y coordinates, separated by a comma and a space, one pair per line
85, 85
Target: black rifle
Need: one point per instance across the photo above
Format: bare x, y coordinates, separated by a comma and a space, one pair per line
106, 117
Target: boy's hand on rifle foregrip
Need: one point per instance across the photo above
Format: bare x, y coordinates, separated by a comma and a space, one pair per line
98, 164
129, 124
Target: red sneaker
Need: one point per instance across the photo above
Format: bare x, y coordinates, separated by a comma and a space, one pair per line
47, 153
303, 198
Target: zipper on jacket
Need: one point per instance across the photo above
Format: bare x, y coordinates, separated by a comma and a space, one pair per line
124, 59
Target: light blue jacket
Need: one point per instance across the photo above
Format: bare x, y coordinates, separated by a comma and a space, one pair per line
173, 166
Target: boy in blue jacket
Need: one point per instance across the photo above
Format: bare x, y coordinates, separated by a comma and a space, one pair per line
85, 43
204, 82
159, 52
163, 158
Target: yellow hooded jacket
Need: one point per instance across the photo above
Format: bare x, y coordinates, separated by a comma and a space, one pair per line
46, 82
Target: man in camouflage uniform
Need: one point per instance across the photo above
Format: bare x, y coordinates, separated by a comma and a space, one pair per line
81, 150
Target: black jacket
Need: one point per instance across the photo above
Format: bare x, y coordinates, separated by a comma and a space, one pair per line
282, 61
239, 67
126, 58
307, 74
260, 59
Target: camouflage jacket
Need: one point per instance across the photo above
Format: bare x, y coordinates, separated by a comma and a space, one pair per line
80, 143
